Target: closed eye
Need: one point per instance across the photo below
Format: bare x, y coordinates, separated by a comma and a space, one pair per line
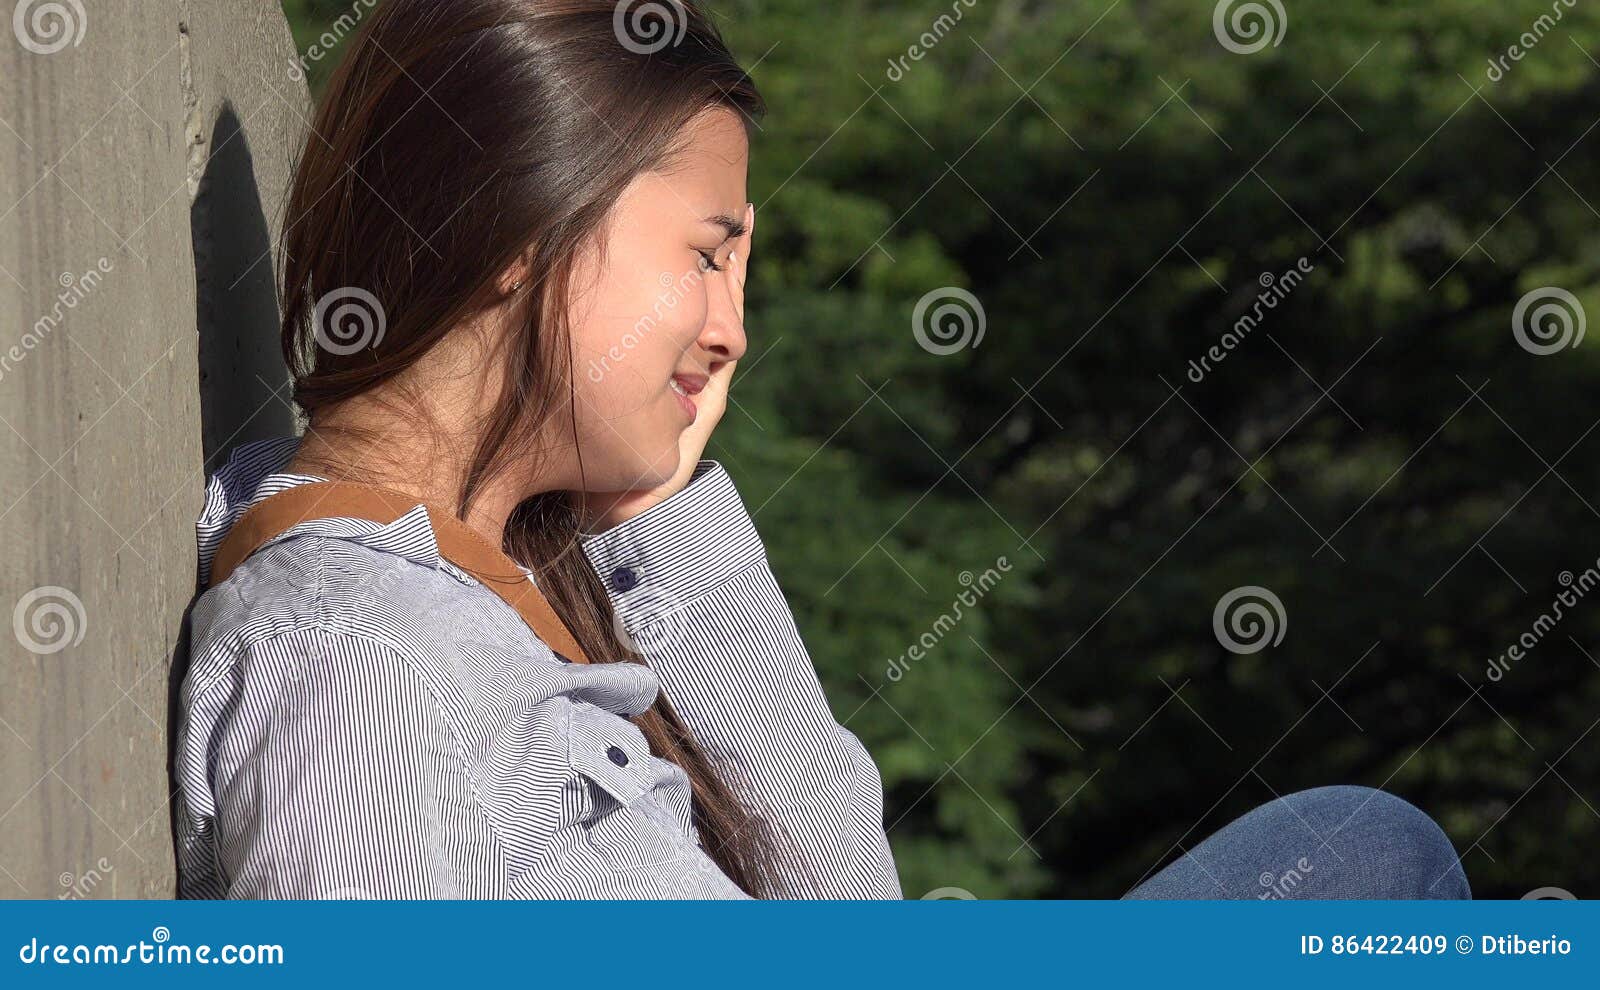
710, 259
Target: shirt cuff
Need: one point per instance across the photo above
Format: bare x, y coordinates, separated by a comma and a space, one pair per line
677, 550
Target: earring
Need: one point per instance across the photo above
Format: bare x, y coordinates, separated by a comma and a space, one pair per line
515, 286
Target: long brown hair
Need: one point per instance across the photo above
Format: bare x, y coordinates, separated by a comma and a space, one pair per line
453, 139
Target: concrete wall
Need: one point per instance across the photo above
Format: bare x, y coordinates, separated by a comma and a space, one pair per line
145, 148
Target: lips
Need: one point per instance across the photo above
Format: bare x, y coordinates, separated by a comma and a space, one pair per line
683, 386
688, 384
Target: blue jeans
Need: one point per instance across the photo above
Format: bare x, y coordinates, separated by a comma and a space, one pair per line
1328, 843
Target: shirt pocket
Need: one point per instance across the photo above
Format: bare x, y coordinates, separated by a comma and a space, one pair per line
627, 824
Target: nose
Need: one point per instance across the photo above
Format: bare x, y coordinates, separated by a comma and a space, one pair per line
722, 337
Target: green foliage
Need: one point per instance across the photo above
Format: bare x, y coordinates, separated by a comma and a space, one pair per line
1114, 222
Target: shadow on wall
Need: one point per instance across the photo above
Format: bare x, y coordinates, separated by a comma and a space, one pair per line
244, 393
244, 385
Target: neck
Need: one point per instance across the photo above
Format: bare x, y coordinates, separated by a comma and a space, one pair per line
393, 462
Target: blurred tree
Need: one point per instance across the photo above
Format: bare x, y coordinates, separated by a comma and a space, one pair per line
1118, 184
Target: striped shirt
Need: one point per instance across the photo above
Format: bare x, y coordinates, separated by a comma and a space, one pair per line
360, 718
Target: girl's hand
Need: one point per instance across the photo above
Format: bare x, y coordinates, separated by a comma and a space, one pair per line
602, 510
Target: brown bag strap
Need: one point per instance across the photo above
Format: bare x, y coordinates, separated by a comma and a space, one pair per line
458, 543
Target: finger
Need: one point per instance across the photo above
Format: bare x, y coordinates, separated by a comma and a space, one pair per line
741, 266
714, 398
720, 382
710, 404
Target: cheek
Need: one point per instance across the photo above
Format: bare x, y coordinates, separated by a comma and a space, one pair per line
629, 343
624, 365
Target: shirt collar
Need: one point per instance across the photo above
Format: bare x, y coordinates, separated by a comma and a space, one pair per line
254, 471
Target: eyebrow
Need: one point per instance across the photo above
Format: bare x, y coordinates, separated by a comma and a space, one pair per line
735, 228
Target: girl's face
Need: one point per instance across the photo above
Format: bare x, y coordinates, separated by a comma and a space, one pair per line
656, 314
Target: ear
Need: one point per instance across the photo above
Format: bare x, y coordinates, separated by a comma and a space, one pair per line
515, 276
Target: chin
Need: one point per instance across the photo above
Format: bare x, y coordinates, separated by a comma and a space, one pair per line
669, 463
640, 474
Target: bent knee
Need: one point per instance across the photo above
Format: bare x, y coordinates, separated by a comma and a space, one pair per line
1390, 848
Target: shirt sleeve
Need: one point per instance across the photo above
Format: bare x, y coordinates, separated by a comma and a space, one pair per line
693, 590
328, 770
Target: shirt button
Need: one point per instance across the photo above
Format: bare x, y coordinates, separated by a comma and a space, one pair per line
624, 578
617, 755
